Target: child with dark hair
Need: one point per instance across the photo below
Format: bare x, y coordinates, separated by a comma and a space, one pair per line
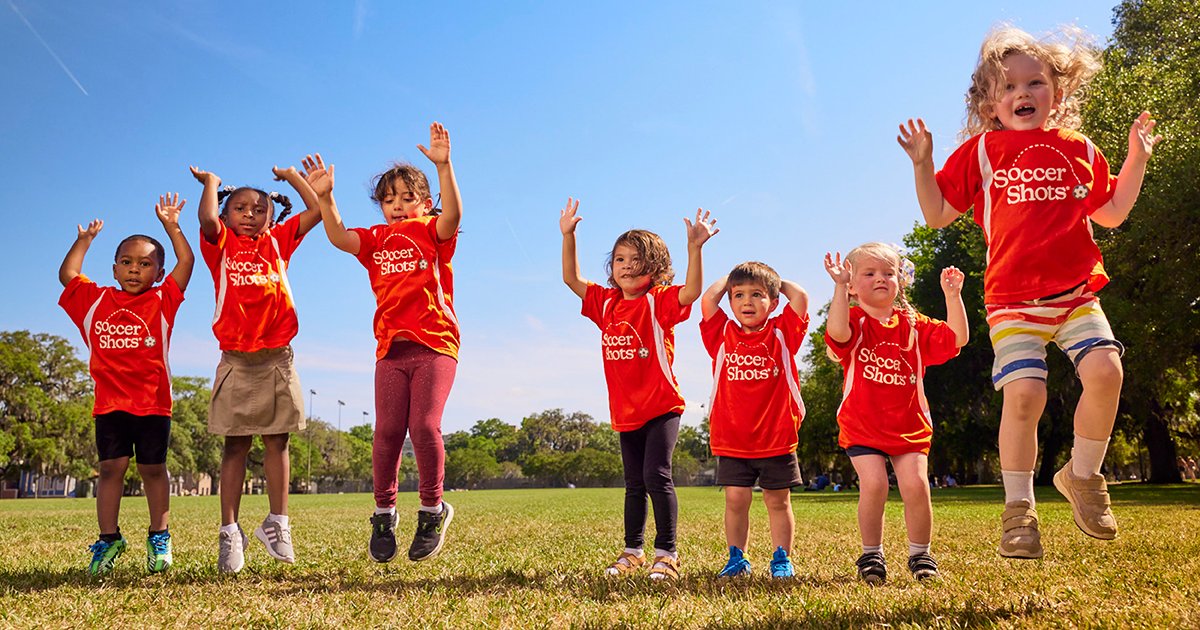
127, 330
636, 316
408, 262
256, 390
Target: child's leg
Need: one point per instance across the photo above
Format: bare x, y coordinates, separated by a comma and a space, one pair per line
779, 514
1024, 400
633, 454
233, 475
108, 493
872, 495
157, 484
430, 387
661, 435
392, 396
1101, 374
912, 475
278, 469
737, 516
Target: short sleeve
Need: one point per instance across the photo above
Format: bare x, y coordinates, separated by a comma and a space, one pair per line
937, 341
172, 297
794, 327
288, 235
367, 244
1104, 183
841, 351
593, 303
446, 248
959, 180
712, 331
667, 308
78, 296
211, 252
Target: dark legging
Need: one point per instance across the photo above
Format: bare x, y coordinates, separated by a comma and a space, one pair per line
412, 383
646, 456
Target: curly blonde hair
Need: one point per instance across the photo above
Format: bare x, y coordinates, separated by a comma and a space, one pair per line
890, 255
1069, 53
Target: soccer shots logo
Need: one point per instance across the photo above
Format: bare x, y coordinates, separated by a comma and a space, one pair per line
750, 363
249, 268
123, 330
887, 370
1042, 183
622, 343
402, 257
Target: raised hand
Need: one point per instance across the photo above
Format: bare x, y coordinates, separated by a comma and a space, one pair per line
281, 174
1141, 136
91, 230
168, 208
916, 141
567, 220
439, 144
952, 281
317, 176
837, 268
205, 177
703, 229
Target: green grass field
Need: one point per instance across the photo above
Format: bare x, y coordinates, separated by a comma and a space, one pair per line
534, 558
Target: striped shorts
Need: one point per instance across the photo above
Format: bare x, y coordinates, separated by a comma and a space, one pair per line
1020, 332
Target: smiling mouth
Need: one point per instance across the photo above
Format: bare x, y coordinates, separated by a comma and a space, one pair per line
1025, 110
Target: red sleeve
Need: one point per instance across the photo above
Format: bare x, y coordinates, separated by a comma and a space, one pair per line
445, 249
936, 339
211, 252
667, 308
172, 297
593, 303
288, 235
77, 297
794, 327
1104, 183
959, 180
712, 331
841, 351
367, 243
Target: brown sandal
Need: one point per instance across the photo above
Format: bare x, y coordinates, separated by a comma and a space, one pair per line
625, 564
665, 568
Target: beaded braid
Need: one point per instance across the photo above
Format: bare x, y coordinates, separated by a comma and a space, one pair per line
272, 198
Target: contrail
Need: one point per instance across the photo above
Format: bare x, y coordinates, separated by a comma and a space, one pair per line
518, 241
48, 49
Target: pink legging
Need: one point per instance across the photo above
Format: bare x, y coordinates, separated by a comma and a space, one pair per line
412, 383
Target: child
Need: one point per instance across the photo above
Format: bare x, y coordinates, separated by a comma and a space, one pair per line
755, 408
884, 346
127, 330
1034, 183
256, 390
408, 262
637, 316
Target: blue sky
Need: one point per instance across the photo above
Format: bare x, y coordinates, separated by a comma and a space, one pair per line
778, 117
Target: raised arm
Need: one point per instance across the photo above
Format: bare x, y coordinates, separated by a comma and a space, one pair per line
1129, 182
209, 214
917, 142
796, 295
439, 153
698, 234
168, 208
311, 215
320, 179
837, 325
710, 302
72, 265
567, 220
956, 312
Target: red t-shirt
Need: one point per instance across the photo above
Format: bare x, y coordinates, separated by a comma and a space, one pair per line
883, 395
413, 284
638, 340
755, 409
1033, 193
255, 308
128, 337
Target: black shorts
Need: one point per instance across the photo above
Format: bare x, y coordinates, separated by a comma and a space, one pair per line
855, 451
122, 434
771, 473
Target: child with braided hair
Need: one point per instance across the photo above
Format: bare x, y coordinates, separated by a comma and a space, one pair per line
256, 390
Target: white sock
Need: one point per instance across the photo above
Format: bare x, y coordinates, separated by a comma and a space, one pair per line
231, 528
872, 548
391, 510
1087, 456
1018, 484
662, 552
436, 509
637, 552
282, 519
914, 548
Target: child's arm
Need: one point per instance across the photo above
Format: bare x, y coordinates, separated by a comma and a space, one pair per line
72, 265
697, 234
796, 295
168, 209
570, 260
439, 153
956, 312
918, 144
320, 180
210, 219
837, 325
710, 302
1129, 181
312, 207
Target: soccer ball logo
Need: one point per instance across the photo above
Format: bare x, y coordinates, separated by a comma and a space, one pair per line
274, 277
423, 265
643, 353
150, 341
1080, 191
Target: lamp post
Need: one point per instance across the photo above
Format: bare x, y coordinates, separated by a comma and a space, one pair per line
308, 432
339, 435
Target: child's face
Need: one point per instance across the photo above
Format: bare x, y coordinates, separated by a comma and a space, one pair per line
625, 262
1026, 96
247, 213
136, 269
751, 305
875, 282
402, 203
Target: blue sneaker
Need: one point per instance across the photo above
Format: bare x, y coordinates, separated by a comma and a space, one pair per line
158, 552
781, 565
738, 565
104, 555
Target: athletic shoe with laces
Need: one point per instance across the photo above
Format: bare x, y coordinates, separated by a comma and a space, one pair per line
781, 564
737, 565
923, 566
383, 537
104, 555
158, 552
1089, 501
231, 556
431, 533
872, 568
277, 538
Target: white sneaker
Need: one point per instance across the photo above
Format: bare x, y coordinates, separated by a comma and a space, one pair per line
277, 539
232, 556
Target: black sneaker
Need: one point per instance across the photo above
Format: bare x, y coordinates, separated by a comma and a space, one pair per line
383, 537
923, 566
872, 568
431, 533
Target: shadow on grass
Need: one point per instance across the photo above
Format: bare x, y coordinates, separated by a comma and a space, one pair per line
926, 614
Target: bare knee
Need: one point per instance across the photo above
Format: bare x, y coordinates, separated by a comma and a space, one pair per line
152, 472
114, 468
777, 500
873, 488
1026, 398
1101, 369
237, 446
276, 444
737, 498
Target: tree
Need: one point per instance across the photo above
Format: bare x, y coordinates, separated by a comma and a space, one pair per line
467, 467
554, 430
193, 448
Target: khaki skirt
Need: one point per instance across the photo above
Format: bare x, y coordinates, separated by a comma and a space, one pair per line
256, 393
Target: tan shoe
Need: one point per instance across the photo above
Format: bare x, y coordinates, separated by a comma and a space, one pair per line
1089, 502
1021, 538
625, 564
664, 568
